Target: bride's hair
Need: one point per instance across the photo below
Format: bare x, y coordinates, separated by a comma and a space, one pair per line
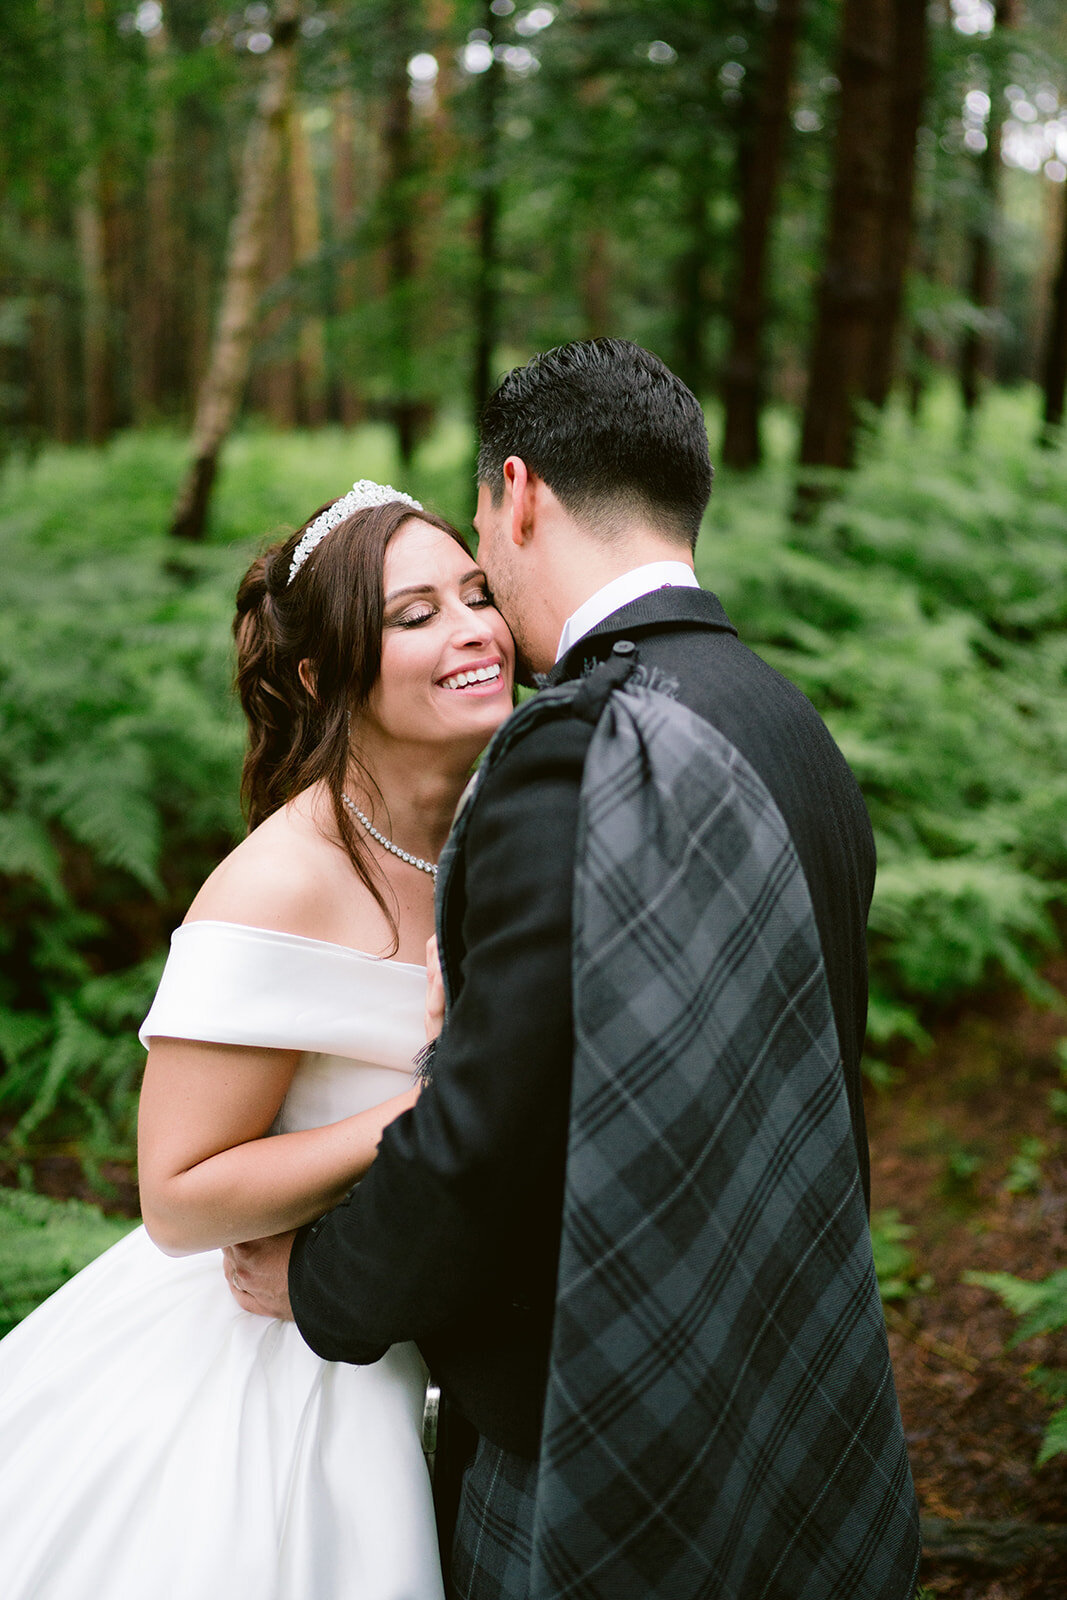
329, 617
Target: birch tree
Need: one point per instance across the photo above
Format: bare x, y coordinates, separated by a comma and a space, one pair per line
223, 386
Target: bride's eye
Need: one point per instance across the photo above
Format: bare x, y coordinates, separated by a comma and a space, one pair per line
411, 619
480, 597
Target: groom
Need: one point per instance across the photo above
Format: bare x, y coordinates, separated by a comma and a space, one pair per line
682, 1387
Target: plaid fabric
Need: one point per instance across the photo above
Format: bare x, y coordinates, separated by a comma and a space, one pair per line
494, 1531
721, 1417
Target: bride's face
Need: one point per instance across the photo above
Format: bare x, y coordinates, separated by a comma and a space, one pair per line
447, 656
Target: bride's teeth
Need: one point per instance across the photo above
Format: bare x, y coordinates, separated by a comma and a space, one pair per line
460, 680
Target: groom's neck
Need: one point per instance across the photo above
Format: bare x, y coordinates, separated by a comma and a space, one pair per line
581, 566
573, 566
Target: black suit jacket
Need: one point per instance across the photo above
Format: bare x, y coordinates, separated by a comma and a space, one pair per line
452, 1238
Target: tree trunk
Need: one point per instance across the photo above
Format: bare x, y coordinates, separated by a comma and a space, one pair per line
594, 269
95, 313
690, 322
400, 233
343, 208
154, 344
848, 299
760, 166
89, 235
486, 306
274, 384
220, 393
201, 274
908, 94
1054, 364
307, 247
976, 351
52, 380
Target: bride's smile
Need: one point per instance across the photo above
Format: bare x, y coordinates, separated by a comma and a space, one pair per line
447, 662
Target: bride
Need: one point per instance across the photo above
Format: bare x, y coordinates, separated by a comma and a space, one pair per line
154, 1438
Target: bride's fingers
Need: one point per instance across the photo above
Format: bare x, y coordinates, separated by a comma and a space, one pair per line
435, 1008
435, 990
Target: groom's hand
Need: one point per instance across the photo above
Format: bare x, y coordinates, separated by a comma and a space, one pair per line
258, 1275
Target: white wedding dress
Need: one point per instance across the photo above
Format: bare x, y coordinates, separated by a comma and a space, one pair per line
156, 1440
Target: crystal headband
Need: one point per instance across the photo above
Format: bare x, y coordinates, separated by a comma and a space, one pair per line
360, 497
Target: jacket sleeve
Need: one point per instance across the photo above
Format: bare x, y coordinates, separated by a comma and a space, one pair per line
429, 1231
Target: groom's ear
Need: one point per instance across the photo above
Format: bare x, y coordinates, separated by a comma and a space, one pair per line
519, 494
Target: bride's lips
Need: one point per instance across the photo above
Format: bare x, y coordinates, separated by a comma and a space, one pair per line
482, 677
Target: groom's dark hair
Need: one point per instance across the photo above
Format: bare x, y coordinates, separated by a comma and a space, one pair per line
611, 431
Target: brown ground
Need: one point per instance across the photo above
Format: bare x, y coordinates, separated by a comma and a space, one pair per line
973, 1422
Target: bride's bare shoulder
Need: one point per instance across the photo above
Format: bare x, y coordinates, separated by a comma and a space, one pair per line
287, 875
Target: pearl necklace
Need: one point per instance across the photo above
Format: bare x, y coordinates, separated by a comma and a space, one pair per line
415, 861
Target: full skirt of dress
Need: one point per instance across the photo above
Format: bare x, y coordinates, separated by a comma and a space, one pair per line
158, 1439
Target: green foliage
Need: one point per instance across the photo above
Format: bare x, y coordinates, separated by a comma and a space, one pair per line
1057, 1099
1041, 1308
898, 1275
923, 612
961, 1168
1024, 1173
119, 751
42, 1244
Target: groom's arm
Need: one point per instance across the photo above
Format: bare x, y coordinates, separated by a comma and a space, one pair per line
426, 1234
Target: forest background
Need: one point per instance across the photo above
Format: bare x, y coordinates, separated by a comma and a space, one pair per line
248, 255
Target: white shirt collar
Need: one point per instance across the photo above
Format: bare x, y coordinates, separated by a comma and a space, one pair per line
620, 592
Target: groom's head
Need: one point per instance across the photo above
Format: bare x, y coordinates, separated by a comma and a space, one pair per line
593, 457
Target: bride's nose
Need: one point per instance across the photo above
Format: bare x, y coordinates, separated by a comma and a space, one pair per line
473, 628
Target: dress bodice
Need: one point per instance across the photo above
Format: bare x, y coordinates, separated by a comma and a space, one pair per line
356, 1019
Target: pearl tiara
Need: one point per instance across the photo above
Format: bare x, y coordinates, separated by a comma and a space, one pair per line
362, 495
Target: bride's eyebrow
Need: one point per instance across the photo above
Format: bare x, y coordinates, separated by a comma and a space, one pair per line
429, 588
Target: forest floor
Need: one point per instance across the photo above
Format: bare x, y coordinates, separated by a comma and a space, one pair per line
948, 1142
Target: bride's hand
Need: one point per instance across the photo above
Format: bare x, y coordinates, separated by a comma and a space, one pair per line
435, 990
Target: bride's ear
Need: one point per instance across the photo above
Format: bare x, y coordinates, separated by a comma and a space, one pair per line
306, 673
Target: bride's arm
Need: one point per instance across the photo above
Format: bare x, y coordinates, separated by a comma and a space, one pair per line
210, 1175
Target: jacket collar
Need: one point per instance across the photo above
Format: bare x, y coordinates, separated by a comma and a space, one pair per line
662, 608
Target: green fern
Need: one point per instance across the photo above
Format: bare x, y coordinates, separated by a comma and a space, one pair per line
894, 1264
1042, 1308
42, 1244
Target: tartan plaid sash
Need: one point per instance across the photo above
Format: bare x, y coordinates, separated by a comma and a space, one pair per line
721, 1419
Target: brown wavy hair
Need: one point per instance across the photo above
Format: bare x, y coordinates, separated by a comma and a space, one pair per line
330, 616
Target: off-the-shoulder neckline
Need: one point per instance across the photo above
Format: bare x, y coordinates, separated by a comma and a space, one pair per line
283, 937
